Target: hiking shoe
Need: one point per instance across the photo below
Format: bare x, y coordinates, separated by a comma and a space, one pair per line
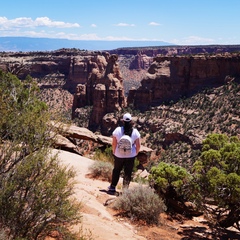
111, 189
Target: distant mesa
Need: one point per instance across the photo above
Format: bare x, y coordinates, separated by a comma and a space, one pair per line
26, 44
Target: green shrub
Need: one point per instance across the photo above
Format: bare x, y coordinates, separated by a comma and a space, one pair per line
217, 172
105, 155
35, 190
101, 170
166, 176
140, 203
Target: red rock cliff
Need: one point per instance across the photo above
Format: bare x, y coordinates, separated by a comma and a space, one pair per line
103, 89
170, 78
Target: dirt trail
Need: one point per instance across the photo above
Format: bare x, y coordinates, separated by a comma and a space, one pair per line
101, 222
96, 217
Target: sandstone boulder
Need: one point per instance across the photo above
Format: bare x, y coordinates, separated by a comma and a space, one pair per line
67, 132
63, 143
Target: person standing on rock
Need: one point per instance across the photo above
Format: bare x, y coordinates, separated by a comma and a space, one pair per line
125, 146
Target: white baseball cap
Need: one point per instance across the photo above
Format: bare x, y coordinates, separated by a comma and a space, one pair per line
127, 117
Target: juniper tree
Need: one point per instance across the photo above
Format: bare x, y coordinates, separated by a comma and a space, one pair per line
217, 173
35, 190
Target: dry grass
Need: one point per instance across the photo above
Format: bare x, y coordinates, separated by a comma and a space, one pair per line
101, 170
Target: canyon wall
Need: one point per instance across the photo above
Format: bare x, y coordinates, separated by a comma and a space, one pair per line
170, 78
100, 79
93, 78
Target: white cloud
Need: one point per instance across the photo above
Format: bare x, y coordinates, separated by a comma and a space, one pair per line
194, 40
25, 22
2, 20
69, 36
124, 25
44, 27
91, 36
154, 24
45, 21
111, 38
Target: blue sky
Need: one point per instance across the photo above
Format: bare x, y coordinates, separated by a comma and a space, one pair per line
183, 22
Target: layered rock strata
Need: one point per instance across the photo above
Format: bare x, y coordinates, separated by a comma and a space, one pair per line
103, 89
170, 78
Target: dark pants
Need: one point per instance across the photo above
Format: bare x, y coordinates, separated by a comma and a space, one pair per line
127, 165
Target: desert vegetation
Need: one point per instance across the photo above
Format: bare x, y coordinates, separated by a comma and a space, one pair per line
141, 204
36, 191
101, 170
214, 178
217, 176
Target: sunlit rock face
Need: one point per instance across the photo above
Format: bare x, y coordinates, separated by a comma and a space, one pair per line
170, 78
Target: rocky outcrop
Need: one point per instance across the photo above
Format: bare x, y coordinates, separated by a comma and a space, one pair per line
79, 99
72, 64
99, 106
170, 78
141, 61
103, 89
73, 132
134, 61
93, 77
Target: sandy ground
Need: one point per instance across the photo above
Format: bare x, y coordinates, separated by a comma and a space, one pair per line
96, 217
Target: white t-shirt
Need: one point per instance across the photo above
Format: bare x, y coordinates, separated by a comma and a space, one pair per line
118, 133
